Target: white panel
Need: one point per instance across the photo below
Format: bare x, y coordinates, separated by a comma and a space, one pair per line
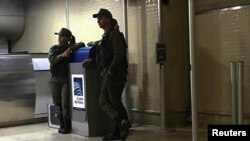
41, 63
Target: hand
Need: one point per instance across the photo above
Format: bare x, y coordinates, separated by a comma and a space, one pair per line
93, 43
110, 73
66, 53
86, 62
90, 43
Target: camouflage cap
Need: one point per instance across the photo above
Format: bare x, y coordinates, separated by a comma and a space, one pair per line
64, 32
103, 13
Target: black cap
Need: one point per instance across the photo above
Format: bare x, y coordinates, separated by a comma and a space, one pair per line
103, 13
64, 32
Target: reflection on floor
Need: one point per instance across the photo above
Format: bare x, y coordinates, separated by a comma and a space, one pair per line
41, 132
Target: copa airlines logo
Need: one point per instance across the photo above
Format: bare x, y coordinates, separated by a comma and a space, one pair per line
239, 132
78, 87
78, 95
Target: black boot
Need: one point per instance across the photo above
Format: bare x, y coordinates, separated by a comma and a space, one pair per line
67, 127
128, 122
114, 135
61, 127
66, 131
124, 129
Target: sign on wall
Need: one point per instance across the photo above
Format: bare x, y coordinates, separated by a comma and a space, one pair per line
78, 92
160, 53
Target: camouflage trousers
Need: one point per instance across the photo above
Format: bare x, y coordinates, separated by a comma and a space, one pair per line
110, 97
61, 98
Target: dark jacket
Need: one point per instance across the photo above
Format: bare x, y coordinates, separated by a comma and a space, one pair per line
111, 54
58, 64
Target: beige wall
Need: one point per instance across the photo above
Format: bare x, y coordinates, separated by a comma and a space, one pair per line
45, 17
203, 5
143, 70
221, 37
42, 19
142, 31
83, 25
175, 35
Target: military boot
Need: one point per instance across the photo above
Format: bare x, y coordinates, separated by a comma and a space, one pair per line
67, 127
61, 125
124, 129
114, 135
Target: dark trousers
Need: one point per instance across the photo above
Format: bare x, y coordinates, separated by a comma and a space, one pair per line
110, 97
61, 99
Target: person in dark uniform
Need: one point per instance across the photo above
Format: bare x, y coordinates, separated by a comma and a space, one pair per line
59, 57
112, 64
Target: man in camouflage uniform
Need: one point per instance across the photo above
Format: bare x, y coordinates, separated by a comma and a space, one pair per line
112, 64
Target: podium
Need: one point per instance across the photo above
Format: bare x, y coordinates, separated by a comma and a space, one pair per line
88, 119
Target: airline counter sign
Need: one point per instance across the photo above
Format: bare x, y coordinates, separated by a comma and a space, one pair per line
78, 92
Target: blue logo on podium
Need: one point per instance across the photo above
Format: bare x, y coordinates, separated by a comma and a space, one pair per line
78, 87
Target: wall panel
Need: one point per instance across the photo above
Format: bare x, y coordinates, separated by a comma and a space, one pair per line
83, 25
204, 5
222, 37
42, 19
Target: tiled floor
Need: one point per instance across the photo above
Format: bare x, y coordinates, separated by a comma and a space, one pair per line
41, 132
